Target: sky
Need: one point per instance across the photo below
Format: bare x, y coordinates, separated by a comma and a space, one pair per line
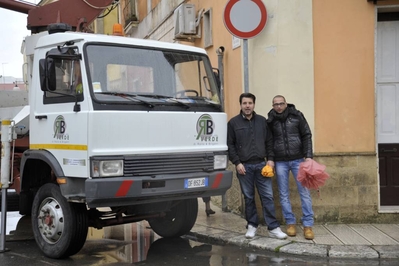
12, 32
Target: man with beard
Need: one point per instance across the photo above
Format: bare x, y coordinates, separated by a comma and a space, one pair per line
250, 143
292, 144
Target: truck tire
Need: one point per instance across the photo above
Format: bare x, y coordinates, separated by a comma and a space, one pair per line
59, 227
12, 201
178, 221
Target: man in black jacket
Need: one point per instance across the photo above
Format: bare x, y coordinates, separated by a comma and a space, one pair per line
292, 145
250, 142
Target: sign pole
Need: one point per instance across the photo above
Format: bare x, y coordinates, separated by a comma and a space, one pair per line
246, 74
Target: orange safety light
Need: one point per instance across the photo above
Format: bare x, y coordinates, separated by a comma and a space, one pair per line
61, 180
117, 30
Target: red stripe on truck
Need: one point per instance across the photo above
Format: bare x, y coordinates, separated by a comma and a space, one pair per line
217, 181
124, 188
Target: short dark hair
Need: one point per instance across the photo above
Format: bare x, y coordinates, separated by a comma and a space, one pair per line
247, 95
278, 96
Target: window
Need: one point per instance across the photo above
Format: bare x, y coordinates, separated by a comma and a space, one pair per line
143, 77
129, 12
192, 80
208, 40
127, 78
68, 82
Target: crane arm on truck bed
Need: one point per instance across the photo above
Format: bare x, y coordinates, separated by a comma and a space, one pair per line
77, 13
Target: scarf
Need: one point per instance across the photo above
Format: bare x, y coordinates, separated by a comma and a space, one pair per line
283, 116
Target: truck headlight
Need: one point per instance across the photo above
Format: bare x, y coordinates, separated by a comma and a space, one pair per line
220, 161
107, 168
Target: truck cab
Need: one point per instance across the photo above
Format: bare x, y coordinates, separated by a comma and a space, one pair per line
120, 130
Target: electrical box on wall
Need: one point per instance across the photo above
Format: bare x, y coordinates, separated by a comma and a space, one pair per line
185, 22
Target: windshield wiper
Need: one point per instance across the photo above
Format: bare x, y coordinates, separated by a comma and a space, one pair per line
127, 96
157, 96
212, 103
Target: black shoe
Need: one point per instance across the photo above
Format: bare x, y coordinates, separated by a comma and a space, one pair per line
209, 212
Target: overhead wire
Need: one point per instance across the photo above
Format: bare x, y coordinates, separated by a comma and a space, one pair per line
101, 7
108, 8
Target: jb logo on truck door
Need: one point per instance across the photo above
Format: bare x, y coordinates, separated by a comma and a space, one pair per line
60, 128
205, 129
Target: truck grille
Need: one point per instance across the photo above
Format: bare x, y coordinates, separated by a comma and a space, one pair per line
147, 165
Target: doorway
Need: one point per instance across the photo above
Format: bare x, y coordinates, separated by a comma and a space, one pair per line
387, 92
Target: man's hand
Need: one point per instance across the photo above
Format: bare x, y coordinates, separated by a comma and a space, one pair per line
270, 163
240, 169
308, 159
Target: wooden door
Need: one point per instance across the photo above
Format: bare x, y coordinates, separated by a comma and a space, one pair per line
388, 155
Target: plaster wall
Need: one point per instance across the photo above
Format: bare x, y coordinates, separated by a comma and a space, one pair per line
281, 57
324, 64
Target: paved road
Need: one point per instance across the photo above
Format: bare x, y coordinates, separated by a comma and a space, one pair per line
127, 244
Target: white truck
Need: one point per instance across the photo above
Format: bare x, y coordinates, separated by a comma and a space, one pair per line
116, 130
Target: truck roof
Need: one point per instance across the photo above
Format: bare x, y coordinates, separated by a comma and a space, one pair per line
61, 38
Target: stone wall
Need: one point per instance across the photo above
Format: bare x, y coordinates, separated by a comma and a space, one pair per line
350, 195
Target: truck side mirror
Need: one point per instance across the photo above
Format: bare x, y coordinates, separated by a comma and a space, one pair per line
56, 60
47, 74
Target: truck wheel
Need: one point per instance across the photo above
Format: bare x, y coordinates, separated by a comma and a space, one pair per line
178, 221
60, 228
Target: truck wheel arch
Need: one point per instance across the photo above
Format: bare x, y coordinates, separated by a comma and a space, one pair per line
42, 160
36, 169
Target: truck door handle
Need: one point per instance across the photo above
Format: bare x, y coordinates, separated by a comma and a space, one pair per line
40, 117
393, 150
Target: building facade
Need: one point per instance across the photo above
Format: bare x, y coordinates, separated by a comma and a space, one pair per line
336, 60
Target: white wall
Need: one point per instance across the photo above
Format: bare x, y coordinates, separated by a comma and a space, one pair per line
281, 57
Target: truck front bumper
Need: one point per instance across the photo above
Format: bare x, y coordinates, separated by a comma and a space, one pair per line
127, 191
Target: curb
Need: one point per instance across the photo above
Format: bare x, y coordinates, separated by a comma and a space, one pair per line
222, 237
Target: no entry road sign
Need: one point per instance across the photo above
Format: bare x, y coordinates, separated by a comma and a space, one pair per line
245, 18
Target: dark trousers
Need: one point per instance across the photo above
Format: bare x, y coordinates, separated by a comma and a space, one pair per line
206, 199
248, 181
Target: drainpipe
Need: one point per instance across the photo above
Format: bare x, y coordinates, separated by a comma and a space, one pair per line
220, 52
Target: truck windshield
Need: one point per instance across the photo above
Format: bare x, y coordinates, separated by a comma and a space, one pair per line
152, 75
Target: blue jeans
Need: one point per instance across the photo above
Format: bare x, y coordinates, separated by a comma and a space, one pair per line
282, 170
264, 186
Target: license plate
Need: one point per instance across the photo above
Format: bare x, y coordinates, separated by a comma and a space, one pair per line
196, 182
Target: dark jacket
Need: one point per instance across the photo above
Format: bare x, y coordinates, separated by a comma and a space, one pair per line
291, 134
249, 141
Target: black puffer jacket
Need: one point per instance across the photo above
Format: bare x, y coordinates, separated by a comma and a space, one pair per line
291, 133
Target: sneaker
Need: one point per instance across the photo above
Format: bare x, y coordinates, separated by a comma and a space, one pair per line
291, 230
277, 233
251, 231
308, 233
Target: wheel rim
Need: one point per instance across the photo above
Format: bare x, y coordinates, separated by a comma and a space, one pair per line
50, 220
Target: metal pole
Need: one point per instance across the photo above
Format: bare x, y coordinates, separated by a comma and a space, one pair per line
220, 52
4, 78
5, 177
246, 75
3, 220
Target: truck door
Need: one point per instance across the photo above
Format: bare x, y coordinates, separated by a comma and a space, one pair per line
61, 115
